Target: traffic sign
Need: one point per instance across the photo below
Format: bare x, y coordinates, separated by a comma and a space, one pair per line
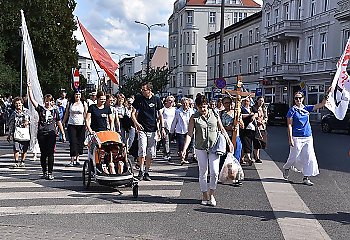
220, 83
258, 92
76, 77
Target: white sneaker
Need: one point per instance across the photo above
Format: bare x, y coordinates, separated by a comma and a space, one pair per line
307, 182
212, 201
204, 202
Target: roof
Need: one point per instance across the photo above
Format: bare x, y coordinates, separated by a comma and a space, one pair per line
246, 3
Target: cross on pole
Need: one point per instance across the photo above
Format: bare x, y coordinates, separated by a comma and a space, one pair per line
237, 96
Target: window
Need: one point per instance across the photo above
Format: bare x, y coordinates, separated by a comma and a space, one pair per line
250, 36
346, 37
188, 37
190, 17
240, 41
240, 16
276, 15
266, 56
239, 66
212, 17
325, 5
193, 38
310, 41
284, 53
312, 8
89, 66
211, 74
193, 59
174, 61
299, 10
235, 17
250, 65
224, 46
88, 77
181, 60
267, 19
211, 50
230, 44
245, 15
234, 42
256, 64
275, 55
286, 11
257, 35
269, 94
187, 58
180, 40
234, 68
181, 20
297, 51
323, 45
229, 69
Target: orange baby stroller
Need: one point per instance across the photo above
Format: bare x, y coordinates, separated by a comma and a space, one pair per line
108, 163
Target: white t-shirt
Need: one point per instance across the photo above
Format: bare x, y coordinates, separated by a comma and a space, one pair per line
168, 116
76, 114
62, 102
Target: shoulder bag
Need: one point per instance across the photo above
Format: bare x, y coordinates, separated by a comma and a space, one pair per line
21, 134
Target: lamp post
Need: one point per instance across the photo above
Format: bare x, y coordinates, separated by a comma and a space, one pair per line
149, 38
120, 55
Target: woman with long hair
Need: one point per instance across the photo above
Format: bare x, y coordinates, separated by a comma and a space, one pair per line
48, 120
260, 140
75, 114
247, 133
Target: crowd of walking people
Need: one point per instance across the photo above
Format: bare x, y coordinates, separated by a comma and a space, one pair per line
205, 129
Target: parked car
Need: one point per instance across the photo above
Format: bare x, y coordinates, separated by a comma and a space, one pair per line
329, 122
277, 113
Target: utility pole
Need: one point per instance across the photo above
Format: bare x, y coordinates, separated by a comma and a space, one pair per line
221, 50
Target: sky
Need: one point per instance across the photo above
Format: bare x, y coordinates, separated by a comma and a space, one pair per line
112, 23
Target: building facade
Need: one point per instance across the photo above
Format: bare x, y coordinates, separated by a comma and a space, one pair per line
190, 22
85, 68
241, 55
301, 43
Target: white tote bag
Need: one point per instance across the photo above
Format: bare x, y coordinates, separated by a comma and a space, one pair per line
21, 134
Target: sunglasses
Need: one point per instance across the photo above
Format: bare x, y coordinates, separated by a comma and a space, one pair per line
296, 98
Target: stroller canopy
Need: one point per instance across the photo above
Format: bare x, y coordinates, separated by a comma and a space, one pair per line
108, 136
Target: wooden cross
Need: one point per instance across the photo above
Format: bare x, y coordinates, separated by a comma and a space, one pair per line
237, 96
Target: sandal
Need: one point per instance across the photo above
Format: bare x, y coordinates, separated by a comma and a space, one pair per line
184, 162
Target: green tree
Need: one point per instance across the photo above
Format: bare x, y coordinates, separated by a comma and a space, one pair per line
50, 24
159, 78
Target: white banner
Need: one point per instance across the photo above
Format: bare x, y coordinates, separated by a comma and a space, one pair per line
339, 96
32, 77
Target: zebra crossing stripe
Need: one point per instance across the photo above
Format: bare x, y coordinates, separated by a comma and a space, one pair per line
78, 209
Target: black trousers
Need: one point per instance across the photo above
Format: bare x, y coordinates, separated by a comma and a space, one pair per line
47, 143
76, 134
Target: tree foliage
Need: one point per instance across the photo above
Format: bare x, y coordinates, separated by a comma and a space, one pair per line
159, 78
50, 24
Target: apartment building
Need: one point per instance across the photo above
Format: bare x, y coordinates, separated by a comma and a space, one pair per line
191, 21
85, 68
342, 14
301, 43
241, 55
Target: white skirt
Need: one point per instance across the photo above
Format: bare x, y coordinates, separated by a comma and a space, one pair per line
302, 156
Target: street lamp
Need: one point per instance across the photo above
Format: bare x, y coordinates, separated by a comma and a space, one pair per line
148, 39
120, 55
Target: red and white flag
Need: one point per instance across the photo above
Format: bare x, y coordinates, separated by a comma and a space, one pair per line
99, 54
339, 97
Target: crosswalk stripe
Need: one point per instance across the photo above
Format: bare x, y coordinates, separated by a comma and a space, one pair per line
286, 203
76, 194
77, 209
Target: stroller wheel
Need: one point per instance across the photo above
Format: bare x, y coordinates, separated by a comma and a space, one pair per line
135, 190
86, 174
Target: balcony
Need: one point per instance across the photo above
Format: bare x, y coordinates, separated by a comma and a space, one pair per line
284, 71
343, 11
283, 30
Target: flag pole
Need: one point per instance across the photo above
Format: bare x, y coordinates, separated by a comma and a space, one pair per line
93, 61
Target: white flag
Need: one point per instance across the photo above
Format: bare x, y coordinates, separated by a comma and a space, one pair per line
32, 77
339, 97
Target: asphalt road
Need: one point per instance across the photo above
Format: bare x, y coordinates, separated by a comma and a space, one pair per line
168, 206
